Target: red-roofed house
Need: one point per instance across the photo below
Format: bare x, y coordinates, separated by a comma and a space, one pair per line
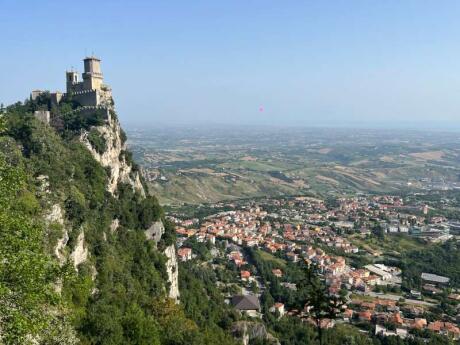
278, 307
185, 254
245, 275
277, 272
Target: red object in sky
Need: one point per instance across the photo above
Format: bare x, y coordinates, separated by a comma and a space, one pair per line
261, 109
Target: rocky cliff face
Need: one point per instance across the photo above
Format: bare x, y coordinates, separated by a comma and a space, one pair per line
172, 268
121, 171
112, 158
248, 330
154, 233
80, 252
56, 215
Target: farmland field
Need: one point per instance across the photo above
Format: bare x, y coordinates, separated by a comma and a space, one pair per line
240, 163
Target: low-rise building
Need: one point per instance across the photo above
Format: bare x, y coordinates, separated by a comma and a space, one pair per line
185, 254
278, 308
245, 275
247, 304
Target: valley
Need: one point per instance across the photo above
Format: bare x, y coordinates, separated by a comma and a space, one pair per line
206, 165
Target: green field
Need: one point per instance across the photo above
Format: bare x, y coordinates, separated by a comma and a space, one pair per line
391, 245
271, 258
245, 164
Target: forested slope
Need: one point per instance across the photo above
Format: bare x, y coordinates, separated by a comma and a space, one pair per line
76, 265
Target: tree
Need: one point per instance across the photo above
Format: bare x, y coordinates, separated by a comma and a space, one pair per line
317, 300
332, 202
29, 307
378, 231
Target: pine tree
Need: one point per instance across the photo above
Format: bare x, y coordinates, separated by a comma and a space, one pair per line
317, 301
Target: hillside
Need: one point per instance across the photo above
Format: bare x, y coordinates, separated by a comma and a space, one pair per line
78, 266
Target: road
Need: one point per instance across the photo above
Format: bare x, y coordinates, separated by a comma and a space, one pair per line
257, 278
396, 298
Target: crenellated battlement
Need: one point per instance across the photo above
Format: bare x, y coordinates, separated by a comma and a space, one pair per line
86, 108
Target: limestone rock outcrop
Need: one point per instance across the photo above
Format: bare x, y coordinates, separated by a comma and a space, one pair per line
172, 268
56, 215
80, 252
154, 233
248, 330
113, 158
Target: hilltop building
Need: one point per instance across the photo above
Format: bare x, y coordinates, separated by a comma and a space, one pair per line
88, 92
91, 91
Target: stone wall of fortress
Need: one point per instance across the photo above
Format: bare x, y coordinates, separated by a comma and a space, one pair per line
86, 97
92, 97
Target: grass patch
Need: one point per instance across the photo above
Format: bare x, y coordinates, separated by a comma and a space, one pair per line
399, 243
362, 298
270, 257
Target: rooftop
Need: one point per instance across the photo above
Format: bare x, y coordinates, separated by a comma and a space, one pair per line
435, 278
247, 302
92, 57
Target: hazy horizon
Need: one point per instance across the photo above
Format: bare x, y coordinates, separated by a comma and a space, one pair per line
433, 126
337, 64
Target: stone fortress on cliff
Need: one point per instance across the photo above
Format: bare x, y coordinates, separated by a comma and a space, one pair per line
90, 92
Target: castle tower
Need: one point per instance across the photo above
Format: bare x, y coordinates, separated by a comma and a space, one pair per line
71, 80
92, 76
91, 91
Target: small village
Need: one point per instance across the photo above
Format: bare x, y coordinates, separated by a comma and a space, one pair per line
343, 239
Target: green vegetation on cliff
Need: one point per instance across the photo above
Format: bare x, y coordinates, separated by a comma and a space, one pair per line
29, 306
118, 292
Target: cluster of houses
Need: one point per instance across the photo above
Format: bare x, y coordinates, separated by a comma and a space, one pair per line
388, 317
249, 227
359, 214
310, 230
391, 319
305, 219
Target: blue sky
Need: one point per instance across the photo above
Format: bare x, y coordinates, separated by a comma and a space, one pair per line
340, 63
